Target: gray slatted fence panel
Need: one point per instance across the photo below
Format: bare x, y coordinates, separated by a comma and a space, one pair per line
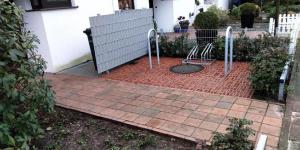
121, 37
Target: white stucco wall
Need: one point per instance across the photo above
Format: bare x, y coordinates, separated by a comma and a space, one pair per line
140, 4
183, 8
223, 4
164, 14
63, 43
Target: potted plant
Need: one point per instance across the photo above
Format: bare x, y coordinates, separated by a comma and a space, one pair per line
177, 28
206, 25
248, 13
184, 24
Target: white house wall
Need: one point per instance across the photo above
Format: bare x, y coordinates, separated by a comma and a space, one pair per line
63, 43
223, 4
164, 14
35, 24
65, 35
183, 8
140, 4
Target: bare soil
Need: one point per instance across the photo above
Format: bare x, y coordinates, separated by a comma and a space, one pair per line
68, 129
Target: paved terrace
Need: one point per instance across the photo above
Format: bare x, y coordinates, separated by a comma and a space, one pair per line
210, 80
181, 113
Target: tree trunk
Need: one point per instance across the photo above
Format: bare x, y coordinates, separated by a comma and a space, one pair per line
287, 7
277, 15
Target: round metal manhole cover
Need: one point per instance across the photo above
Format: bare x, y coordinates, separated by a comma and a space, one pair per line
186, 68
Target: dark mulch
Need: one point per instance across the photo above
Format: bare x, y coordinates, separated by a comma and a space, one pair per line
68, 129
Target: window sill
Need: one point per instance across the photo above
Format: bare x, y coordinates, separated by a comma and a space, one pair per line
49, 9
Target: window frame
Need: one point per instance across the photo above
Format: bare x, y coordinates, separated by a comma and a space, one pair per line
44, 4
132, 1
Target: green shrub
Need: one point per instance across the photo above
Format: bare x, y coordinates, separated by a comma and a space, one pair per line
245, 48
180, 47
206, 20
23, 91
222, 15
248, 9
236, 138
294, 8
236, 12
266, 69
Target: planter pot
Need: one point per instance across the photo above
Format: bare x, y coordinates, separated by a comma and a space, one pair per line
206, 36
247, 21
176, 30
184, 30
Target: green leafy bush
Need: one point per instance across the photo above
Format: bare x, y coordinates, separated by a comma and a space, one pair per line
248, 9
222, 15
236, 138
206, 20
180, 47
266, 69
245, 48
236, 12
23, 91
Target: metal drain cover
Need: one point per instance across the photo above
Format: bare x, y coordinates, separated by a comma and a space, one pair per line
186, 68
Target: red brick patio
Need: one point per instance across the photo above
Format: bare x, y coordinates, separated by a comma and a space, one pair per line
211, 79
182, 113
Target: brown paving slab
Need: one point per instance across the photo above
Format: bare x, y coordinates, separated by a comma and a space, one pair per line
170, 126
206, 109
198, 115
256, 126
142, 119
236, 114
224, 105
190, 106
255, 110
177, 103
130, 117
214, 118
155, 123
238, 107
259, 104
219, 111
275, 131
243, 101
184, 112
272, 121
150, 112
192, 122
209, 125
272, 141
228, 99
113, 113
138, 105
202, 134
210, 103
254, 117
185, 130
222, 128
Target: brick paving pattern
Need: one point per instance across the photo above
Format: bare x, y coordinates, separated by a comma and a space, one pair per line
181, 113
211, 79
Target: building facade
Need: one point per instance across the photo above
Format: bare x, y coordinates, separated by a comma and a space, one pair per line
59, 24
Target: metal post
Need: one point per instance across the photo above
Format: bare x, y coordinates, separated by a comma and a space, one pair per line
149, 47
231, 50
228, 37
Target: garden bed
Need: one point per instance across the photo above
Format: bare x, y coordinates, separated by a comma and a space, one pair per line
68, 129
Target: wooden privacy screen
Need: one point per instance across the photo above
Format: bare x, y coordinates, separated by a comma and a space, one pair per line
121, 37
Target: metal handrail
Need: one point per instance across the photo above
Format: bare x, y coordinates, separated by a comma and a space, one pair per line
149, 47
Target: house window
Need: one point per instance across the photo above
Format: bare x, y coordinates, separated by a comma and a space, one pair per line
41, 4
126, 4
